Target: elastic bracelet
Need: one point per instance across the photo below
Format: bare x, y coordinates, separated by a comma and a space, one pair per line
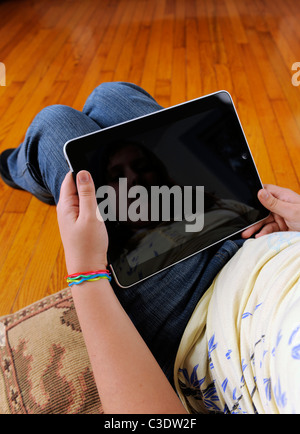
89, 276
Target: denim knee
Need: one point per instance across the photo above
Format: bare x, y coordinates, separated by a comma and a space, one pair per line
110, 89
51, 115
117, 102
56, 124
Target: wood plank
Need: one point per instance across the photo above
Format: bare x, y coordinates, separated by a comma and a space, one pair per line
19, 255
208, 74
283, 174
283, 74
165, 64
137, 65
141, 47
201, 16
179, 23
79, 72
193, 67
16, 26
72, 51
224, 80
7, 95
120, 35
39, 79
152, 56
270, 79
283, 21
9, 223
164, 73
245, 104
18, 201
236, 23
259, 11
178, 85
38, 273
95, 74
123, 65
28, 103
57, 280
290, 131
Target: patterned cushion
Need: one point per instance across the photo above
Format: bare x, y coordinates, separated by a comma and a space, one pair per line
44, 365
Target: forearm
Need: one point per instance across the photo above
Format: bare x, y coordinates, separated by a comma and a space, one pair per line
128, 378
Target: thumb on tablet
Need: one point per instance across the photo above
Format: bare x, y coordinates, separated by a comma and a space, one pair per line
273, 204
86, 193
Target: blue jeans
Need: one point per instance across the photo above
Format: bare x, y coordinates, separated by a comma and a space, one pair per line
160, 306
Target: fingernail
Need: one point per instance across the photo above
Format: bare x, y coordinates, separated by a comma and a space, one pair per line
83, 177
264, 194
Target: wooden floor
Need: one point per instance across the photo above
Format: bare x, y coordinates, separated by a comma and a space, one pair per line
57, 51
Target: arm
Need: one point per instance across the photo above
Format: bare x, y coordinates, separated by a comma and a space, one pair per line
128, 378
284, 205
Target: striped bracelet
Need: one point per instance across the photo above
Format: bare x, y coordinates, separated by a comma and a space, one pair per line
89, 276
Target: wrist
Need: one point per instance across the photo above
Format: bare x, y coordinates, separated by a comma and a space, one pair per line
85, 266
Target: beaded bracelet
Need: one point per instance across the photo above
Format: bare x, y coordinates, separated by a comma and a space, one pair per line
89, 276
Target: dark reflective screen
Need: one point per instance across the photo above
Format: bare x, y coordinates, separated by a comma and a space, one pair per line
197, 144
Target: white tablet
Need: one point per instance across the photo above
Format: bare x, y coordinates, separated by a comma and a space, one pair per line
170, 184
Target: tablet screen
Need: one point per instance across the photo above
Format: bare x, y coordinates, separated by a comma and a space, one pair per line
170, 184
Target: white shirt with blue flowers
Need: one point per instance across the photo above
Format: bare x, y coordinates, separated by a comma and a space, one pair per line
240, 352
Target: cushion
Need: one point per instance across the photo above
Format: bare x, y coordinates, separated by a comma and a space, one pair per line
44, 365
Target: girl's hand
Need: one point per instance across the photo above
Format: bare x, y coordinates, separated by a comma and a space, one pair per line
284, 205
83, 233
